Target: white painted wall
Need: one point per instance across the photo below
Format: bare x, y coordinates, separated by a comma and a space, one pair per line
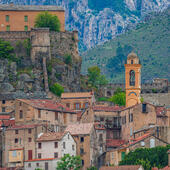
52, 164
48, 148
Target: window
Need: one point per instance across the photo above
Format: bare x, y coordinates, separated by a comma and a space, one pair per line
29, 139
39, 113
77, 106
131, 61
3, 101
132, 78
26, 18
73, 147
16, 140
16, 131
37, 164
3, 109
39, 145
68, 105
29, 131
55, 144
64, 145
14, 154
82, 162
29, 165
68, 136
86, 104
100, 137
39, 155
20, 114
130, 117
56, 115
56, 155
25, 28
20, 103
144, 108
81, 150
102, 119
7, 18
152, 143
8, 28
82, 139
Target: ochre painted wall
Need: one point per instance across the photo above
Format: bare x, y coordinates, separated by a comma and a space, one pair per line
17, 23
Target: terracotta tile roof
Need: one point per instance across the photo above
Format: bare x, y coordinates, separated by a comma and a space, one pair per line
45, 159
166, 168
80, 129
114, 142
7, 7
2, 117
16, 149
155, 168
76, 95
124, 167
46, 105
160, 111
108, 108
51, 136
7, 123
29, 126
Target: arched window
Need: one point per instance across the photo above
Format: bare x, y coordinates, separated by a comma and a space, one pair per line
132, 78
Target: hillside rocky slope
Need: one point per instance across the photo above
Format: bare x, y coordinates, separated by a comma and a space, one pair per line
150, 40
98, 21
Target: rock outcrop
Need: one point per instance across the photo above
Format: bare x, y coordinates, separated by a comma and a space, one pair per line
41, 63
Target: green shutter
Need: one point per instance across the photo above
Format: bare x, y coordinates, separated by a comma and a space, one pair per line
26, 28
7, 18
8, 28
123, 155
26, 18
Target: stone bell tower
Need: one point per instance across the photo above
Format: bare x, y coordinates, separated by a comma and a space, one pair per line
132, 80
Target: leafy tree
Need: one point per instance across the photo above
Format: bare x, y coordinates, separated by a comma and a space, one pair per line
148, 157
95, 78
145, 164
119, 97
68, 59
69, 163
47, 20
57, 89
6, 50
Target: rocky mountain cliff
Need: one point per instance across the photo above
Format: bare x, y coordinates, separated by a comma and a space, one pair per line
98, 21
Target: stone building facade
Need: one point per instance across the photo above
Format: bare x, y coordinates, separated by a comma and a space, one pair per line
20, 143
86, 139
78, 101
36, 110
55, 145
22, 17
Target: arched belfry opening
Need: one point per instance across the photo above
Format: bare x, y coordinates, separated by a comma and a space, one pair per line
132, 78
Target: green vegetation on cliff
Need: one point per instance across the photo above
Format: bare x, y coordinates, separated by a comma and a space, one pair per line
150, 40
47, 20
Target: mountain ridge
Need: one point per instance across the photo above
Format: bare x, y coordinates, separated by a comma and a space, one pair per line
150, 40
99, 21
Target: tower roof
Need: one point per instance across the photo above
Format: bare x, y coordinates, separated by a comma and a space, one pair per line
132, 55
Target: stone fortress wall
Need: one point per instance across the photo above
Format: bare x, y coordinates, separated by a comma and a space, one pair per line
44, 45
